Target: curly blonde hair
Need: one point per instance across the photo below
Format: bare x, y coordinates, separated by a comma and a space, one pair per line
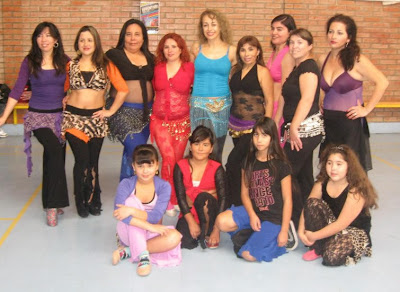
222, 22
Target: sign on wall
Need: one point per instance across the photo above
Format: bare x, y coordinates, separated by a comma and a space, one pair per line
150, 15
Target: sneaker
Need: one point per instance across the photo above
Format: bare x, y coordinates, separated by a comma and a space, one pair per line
310, 255
171, 213
144, 267
2, 133
51, 215
293, 240
120, 254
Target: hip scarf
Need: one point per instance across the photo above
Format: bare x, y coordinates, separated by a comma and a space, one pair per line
37, 119
211, 112
82, 124
128, 120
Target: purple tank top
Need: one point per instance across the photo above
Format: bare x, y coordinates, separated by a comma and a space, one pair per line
344, 92
274, 65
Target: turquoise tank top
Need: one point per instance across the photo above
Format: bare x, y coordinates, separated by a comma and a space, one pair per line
211, 76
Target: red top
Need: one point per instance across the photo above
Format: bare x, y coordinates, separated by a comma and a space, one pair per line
207, 181
172, 95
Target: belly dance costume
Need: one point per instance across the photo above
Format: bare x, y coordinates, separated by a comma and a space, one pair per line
130, 124
247, 108
170, 120
85, 134
44, 118
211, 99
339, 97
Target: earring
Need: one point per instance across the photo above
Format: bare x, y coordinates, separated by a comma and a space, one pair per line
78, 52
347, 44
56, 45
157, 172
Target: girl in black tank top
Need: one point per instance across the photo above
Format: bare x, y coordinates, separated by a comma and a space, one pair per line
336, 221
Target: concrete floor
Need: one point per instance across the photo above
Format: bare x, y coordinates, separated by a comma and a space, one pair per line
76, 255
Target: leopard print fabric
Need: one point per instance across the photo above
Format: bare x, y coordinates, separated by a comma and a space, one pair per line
91, 127
99, 81
344, 248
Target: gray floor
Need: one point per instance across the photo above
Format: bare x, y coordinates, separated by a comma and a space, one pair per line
76, 255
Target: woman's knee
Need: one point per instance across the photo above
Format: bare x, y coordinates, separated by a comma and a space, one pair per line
225, 221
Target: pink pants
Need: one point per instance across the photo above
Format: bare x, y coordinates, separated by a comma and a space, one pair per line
136, 238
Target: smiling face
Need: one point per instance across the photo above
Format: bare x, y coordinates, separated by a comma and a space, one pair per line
299, 48
249, 54
336, 168
133, 38
145, 171
211, 28
279, 34
171, 50
45, 41
86, 43
337, 35
201, 150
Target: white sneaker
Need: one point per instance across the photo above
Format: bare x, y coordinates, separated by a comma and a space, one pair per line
2, 133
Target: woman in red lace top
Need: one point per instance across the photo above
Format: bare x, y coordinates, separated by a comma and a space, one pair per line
170, 120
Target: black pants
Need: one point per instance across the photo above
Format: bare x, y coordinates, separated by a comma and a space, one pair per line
54, 184
86, 169
234, 168
182, 226
218, 148
302, 173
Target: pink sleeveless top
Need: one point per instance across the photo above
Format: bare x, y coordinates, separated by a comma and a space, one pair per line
274, 65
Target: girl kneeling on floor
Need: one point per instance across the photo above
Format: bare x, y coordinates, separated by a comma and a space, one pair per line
140, 204
336, 221
266, 195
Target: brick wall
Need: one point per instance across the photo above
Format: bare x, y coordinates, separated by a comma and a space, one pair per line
379, 28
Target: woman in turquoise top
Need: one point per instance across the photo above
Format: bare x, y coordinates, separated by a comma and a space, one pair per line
213, 58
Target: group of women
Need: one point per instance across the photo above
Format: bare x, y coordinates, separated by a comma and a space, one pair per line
212, 89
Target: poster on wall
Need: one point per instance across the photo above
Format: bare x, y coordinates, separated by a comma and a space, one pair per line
150, 15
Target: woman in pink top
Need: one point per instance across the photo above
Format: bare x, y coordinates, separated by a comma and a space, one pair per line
280, 64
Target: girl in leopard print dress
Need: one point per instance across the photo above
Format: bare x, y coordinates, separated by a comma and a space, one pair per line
336, 221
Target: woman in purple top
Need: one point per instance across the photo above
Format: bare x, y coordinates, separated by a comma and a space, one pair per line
280, 63
44, 67
343, 71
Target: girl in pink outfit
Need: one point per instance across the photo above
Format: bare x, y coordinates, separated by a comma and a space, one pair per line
140, 203
280, 63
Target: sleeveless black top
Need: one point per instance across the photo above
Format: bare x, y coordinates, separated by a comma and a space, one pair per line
363, 220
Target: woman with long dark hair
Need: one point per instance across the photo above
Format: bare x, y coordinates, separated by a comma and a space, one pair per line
84, 124
343, 71
44, 67
130, 125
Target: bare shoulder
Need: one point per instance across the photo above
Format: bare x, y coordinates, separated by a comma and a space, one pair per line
321, 59
194, 49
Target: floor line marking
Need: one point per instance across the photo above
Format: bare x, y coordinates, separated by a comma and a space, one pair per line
386, 162
19, 216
